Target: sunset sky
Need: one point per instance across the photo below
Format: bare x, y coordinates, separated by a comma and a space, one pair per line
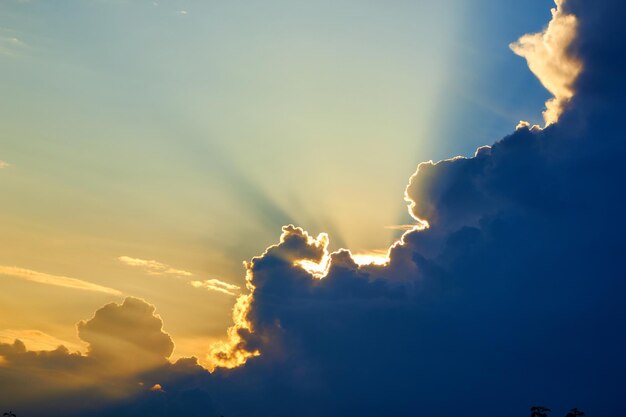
189, 132
149, 148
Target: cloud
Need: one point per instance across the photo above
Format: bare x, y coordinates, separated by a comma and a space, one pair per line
36, 340
153, 267
124, 342
217, 285
157, 268
56, 280
157, 388
507, 293
403, 227
10, 44
4, 164
549, 57
129, 333
516, 256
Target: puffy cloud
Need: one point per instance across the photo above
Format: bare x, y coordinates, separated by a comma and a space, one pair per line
128, 333
124, 341
56, 280
550, 59
4, 164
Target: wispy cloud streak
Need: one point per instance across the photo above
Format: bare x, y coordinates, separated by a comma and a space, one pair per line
9, 45
153, 267
56, 280
217, 285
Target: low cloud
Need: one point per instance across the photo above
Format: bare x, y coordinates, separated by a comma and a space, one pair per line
56, 280
129, 333
124, 342
4, 164
36, 340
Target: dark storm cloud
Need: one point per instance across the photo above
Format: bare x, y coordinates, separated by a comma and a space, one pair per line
513, 296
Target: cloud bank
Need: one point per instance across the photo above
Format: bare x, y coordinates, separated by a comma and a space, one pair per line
507, 293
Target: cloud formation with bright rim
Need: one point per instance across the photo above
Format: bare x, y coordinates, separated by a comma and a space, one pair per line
549, 58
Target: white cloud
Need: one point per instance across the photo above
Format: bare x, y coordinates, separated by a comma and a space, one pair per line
548, 58
4, 164
56, 280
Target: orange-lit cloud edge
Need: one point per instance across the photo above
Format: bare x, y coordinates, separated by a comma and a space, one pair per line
548, 57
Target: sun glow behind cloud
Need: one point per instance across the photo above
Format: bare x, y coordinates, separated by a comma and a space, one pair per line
371, 258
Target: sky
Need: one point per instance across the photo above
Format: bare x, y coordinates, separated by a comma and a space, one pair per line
189, 132
149, 148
